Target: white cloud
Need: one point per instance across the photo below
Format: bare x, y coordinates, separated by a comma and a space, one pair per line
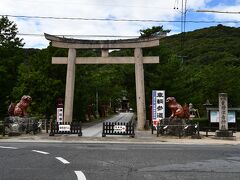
195, 4
229, 12
124, 9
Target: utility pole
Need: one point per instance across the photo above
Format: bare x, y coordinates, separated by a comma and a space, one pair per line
183, 12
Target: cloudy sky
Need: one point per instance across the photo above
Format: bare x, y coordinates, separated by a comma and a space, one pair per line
92, 18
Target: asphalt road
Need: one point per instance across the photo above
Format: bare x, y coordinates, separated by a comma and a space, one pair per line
68, 161
96, 130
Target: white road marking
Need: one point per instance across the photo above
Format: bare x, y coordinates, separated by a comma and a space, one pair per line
41, 152
64, 161
5, 147
80, 175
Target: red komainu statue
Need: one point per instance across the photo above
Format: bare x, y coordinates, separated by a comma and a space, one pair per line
178, 111
21, 108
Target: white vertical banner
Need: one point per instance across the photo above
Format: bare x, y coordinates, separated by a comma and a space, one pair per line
60, 115
158, 106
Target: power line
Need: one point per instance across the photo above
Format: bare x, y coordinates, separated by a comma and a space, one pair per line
119, 20
216, 11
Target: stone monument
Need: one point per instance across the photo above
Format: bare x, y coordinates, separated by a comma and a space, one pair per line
223, 117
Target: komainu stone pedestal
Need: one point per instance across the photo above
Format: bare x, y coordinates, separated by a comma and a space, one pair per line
225, 135
221, 133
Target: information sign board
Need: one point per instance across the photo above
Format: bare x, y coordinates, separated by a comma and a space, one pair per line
214, 116
119, 128
158, 106
64, 128
59, 115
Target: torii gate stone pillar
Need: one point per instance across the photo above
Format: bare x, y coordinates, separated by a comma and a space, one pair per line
140, 90
105, 45
70, 82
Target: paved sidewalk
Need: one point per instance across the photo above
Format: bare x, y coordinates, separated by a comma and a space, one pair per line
143, 137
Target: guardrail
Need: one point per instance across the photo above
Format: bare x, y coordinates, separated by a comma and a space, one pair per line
118, 128
66, 128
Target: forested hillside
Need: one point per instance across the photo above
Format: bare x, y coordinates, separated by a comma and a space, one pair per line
209, 64
204, 64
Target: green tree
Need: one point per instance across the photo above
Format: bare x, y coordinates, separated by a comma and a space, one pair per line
37, 79
8, 32
154, 31
10, 57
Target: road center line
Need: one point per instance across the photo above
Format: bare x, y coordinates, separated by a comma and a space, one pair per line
5, 147
80, 175
64, 161
41, 152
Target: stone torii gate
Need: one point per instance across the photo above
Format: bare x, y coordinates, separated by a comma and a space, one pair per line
104, 45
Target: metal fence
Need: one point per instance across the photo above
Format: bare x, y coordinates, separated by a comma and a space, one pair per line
118, 128
66, 128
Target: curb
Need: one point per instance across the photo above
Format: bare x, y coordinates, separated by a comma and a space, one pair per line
142, 137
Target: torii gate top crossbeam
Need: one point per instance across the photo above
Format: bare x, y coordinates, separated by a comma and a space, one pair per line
102, 44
